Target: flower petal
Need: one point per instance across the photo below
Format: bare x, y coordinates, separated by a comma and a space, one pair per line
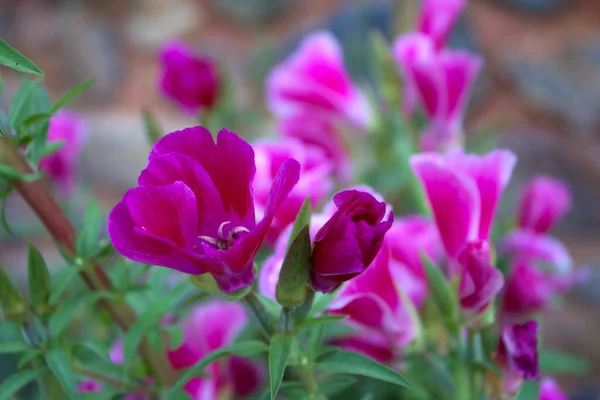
532, 247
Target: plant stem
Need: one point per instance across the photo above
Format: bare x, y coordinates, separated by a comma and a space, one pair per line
262, 315
36, 195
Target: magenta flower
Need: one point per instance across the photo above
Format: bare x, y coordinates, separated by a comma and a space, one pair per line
269, 273
517, 354
89, 386
193, 210
442, 83
375, 307
190, 80
60, 167
368, 342
347, 244
543, 250
321, 132
408, 237
314, 79
544, 202
463, 191
315, 178
211, 326
437, 18
549, 390
480, 281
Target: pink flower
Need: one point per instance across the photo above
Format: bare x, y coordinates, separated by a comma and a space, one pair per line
89, 386
463, 191
517, 354
190, 80
368, 342
438, 17
347, 244
321, 132
549, 390
315, 179
441, 82
269, 273
408, 237
480, 281
543, 250
60, 167
544, 202
314, 80
193, 210
374, 305
211, 326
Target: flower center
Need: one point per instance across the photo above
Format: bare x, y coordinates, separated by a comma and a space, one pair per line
222, 241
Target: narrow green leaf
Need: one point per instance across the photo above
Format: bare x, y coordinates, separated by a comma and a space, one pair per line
279, 352
13, 383
153, 131
39, 282
302, 219
8, 172
146, 321
292, 286
322, 300
96, 347
322, 320
442, 293
64, 313
244, 349
315, 340
61, 281
175, 335
28, 356
12, 58
51, 148
336, 385
19, 109
88, 238
558, 363
347, 362
71, 94
12, 303
43, 116
58, 363
13, 347
272, 307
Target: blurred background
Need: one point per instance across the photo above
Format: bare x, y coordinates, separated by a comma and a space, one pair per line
539, 91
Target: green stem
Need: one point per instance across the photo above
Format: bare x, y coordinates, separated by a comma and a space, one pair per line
260, 312
306, 376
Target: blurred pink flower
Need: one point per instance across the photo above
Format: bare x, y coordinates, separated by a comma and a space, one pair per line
408, 237
544, 202
315, 130
89, 386
534, 248
375, 307
193, 210
437, 18
315, 178
60, 167
213, 325
347, 244
517, 355
480, 281
549, 390
314, 80
463, 191
441, 82
190, 80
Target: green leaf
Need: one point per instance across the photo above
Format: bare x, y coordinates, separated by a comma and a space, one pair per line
58, 363
28, 356
315, 340
8, 172
61, 281
88, 238
71, 94
51, 148
39, 282
64, 313
96, 347
43, 116
13, 383
272, 307
292, 286
279, 353
11, 58
175, 335
302, 219
13, 347
442, 294
325, 319
146, 321
244, 349
12, 303
347, 362
322, 300
336, 385
151, 127
19, 109
558, 363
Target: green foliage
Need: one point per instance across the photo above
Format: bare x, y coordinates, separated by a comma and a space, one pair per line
442, 294
58, 363
11, 58
292, 286
347, 362
39, 283
15, 382
279, 353
557, 363
87, 244
71, 94
11, 301
153, 130
244, 349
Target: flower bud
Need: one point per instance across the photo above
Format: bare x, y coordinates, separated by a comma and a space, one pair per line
347, 244
544, 201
